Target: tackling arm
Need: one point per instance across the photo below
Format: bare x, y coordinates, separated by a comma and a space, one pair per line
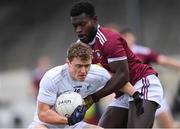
119, 81
119, 78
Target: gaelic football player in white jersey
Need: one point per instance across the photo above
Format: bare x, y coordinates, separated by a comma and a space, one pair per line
78, 75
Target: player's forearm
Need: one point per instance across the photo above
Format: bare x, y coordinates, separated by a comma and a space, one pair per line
47, 115
169, 62
114, 84
51, 117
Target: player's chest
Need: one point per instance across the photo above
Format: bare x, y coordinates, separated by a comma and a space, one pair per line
82, 88
98, 54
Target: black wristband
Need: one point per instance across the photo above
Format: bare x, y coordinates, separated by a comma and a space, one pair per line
135, 94
95, 98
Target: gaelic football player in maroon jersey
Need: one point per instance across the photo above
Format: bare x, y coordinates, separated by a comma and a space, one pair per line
112, 52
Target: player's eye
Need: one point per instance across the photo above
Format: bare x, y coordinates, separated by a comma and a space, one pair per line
82, 24
78, 66
87, 66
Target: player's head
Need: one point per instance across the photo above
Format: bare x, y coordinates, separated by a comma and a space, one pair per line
129, 36
84, 21
79, 59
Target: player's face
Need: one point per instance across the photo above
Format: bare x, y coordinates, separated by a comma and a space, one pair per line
79, 69
85, 27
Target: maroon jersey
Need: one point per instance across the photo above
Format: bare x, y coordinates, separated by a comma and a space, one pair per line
146, 55
108, 46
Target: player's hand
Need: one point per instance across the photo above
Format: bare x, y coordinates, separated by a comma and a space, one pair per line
138, 101
77, 115
90, 99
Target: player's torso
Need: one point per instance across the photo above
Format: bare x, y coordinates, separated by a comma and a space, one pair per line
95, 79
104, 49
99, 56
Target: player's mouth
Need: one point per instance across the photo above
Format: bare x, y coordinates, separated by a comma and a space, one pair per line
82, 77
82, 37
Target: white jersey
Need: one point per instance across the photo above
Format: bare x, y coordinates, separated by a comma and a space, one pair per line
57, 81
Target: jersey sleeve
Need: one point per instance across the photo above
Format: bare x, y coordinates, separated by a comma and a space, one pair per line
114, 49
105, 78
99, 78
47, 93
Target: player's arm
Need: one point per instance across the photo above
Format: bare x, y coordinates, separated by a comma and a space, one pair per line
128, 89
119, 78
168, 61
47, 115
116, 83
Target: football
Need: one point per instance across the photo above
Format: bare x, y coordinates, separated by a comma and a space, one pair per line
67, 102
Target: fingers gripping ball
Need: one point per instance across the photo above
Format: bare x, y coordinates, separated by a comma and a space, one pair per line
67, 102
77, 115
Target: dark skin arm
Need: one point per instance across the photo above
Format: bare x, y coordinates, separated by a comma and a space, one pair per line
119, 78
118, 81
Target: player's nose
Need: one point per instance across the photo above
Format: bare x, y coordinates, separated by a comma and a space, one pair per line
83, 70
78, 29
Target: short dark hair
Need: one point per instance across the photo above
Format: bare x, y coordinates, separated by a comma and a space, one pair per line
83, 7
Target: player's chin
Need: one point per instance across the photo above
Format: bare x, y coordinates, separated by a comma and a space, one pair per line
84, 40
81, 78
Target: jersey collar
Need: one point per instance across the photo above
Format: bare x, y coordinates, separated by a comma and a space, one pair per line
91, 43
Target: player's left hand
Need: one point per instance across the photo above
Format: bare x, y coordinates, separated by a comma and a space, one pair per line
77, 115
138, 101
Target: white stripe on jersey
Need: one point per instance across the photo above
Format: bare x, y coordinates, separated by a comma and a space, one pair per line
116, 59
101, 37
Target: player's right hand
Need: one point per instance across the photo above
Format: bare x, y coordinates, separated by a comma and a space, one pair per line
138, 101
77, 115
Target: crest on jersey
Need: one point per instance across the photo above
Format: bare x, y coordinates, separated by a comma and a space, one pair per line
98, 53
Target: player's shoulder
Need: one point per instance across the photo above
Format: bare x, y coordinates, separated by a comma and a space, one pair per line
96, 67
108, 33
56, 72
112, 39
97, 70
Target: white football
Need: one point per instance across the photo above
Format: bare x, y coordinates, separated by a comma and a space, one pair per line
67, 102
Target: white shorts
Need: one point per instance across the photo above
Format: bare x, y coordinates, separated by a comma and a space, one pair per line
151, 88
79, 125
164, 108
